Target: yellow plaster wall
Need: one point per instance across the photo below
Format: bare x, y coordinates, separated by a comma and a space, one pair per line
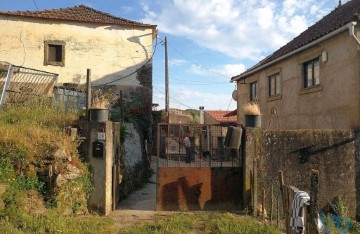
110, 51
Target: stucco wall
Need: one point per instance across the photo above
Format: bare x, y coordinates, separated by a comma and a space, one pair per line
111, 51
334, 153
334, 104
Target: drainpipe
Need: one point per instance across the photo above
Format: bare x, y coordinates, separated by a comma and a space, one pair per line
352, 32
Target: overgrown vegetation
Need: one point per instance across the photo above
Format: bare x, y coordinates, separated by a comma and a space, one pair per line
342, 222
33, 147
203, 223
251, 108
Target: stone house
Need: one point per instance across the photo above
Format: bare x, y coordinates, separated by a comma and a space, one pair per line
68, 41
314, 80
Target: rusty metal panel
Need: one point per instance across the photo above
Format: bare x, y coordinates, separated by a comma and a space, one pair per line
194, 188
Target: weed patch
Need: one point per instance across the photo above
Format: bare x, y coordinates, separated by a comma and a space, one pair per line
203, 223
12, 221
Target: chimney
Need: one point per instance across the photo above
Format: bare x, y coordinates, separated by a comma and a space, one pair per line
339, 3
201, 108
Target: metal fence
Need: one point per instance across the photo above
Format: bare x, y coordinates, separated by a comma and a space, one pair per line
211, 145
71, 98
19, 84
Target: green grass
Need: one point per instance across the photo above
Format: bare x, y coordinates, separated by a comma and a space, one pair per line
13, 221
29, 135
39, 112
31, 132
203, 223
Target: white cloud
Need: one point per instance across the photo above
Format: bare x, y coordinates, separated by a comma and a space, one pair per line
241, 29
177, 62
195, 98
127, 9
227, 71
197, 70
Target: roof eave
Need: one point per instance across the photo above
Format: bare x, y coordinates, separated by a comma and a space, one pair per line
150, 26
321, 39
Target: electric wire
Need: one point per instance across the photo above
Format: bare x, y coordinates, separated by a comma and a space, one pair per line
175, 100
229, 104
195, 63
193, 82
35, 5
189, 107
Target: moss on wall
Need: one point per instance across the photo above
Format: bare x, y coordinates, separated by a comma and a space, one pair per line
296, 153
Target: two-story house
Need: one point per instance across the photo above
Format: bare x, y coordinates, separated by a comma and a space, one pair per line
314, 80
68, 41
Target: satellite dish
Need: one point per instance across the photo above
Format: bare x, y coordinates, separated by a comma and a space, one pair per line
234, 95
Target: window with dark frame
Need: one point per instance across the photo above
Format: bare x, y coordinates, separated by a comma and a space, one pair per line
54, 53
274, 85
311, 71
254, 91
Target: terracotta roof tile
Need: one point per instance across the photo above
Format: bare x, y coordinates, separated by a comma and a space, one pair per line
334, 20
220, 116
79, 13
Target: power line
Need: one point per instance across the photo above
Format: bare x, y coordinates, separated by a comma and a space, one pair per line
197, 83
177, 101
229, 104
35, 5
197, 64
189, 107
193, 82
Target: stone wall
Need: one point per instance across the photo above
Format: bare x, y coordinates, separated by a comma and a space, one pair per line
334, 153
135, 163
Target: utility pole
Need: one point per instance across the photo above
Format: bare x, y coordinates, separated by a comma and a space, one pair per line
166, 84
88, 93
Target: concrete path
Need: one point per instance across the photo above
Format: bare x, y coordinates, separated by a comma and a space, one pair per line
140, 205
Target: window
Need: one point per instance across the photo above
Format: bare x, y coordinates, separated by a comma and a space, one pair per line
253, 91
311, 73
54, 53
274, 85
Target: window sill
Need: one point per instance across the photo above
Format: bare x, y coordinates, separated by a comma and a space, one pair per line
60, 64
312, 89
273, 98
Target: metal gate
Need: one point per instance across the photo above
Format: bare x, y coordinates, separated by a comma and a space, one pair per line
19, 84
211, 180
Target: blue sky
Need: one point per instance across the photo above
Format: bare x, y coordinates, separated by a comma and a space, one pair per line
209, 41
